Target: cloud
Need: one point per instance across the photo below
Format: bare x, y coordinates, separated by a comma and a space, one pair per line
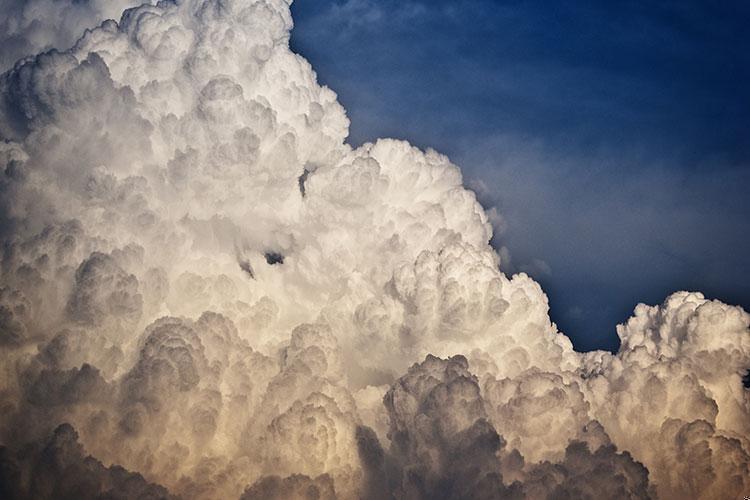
149, 167
31, 27
57, 468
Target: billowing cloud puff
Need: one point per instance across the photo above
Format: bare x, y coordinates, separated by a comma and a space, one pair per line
207, 289
678, 380
57, 467
295, 487
27, 28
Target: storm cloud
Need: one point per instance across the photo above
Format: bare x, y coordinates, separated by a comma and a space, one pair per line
208, 293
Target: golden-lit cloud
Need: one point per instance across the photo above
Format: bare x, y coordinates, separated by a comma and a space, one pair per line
209, 293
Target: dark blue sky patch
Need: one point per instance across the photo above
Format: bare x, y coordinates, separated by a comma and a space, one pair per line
614, 139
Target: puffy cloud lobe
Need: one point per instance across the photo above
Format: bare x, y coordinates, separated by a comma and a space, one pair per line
700, 461
34, 26
538, 413
681, 365
12, 325
295, 487
217, 292
444, 446
314, 436
583, 474
440, 438
58, 468
104, 291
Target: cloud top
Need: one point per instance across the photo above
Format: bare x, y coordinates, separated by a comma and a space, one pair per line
206, 287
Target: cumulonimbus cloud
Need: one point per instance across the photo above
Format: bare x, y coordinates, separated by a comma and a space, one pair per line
207, 293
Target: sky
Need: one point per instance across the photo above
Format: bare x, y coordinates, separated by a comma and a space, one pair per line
206, 292
613, 140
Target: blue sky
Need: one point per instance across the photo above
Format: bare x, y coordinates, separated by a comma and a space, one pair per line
612, 137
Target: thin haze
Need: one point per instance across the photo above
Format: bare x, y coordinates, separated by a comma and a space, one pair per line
613, 137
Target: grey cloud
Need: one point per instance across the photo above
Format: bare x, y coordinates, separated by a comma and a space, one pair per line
57, 467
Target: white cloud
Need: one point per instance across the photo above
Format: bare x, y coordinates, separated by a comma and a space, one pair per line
151, 170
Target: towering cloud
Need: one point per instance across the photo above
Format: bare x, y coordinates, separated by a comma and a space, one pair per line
207, 293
